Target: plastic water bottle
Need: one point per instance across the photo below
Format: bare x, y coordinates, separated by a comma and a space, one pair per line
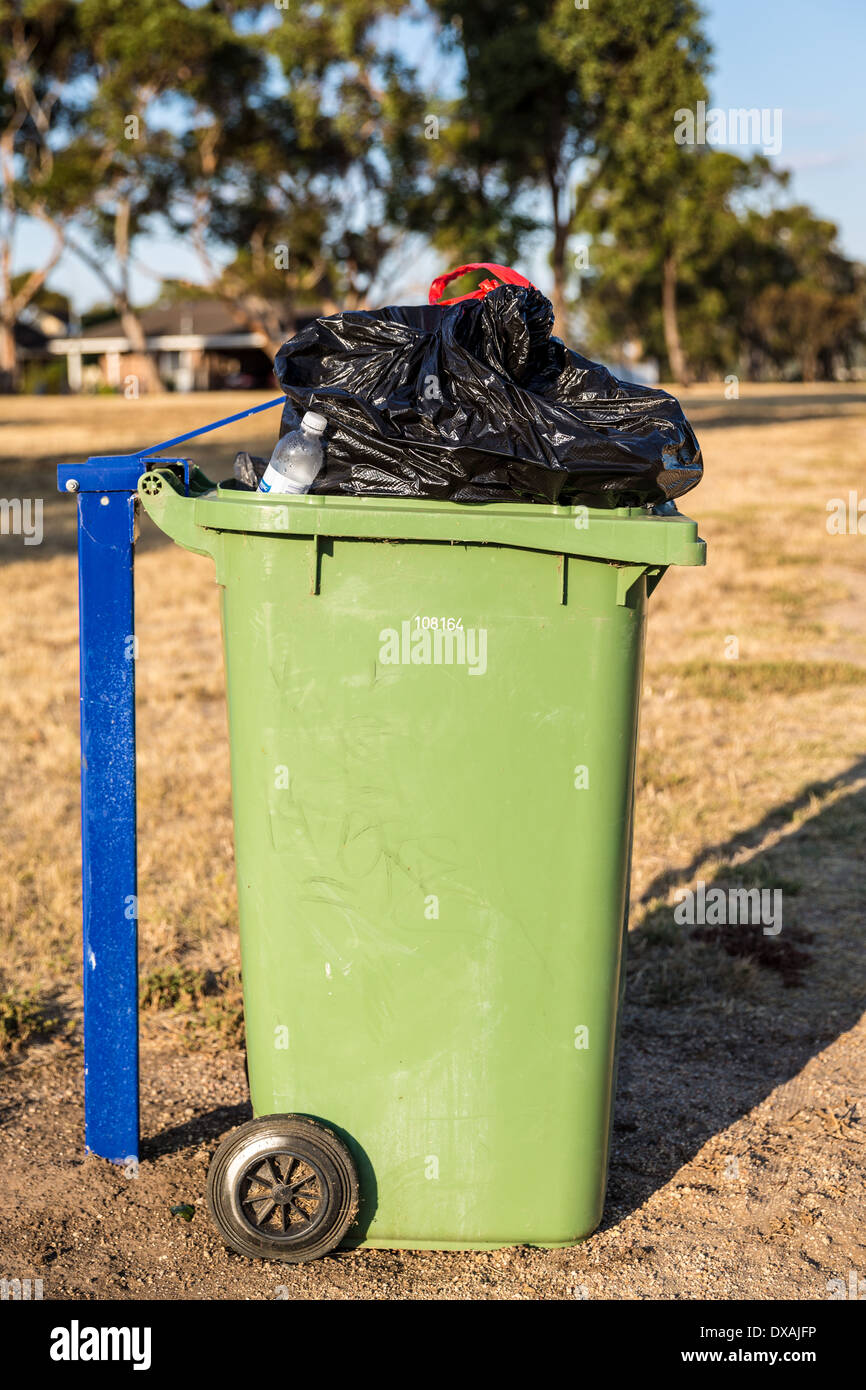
297, 460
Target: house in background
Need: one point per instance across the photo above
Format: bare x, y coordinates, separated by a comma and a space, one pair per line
35, 327
197, 345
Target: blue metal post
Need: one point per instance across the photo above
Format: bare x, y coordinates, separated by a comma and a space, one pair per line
106, 489
106, 522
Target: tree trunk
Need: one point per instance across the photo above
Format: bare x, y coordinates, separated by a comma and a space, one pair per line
23, 104
561, 228
132, 326
560, 279
254, 314
133, 330
8, 348
129, 319
12, 305
8, 359
676, 356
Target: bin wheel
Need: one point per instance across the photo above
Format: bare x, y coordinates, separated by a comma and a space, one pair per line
282, 1188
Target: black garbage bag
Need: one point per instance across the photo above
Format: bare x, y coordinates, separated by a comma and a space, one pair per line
248, 470
477, 402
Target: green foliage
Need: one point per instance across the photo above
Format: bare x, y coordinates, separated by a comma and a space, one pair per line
204, 1002
300, 156
178, 987
43, 378
22, 1019
564, 127
41, 57
506, 142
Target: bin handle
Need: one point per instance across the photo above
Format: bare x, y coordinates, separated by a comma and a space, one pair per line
163, 498
505, 276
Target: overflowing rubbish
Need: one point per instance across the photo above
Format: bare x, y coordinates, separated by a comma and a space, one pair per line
248, 470
475, 400
297, 458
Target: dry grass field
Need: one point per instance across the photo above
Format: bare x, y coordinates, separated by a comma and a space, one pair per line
737, 1168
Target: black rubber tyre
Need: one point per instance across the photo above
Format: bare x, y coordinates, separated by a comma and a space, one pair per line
282, 1188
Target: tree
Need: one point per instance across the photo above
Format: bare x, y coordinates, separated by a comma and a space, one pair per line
286, 170
800, 302
760, 292
639, 61
468, 170
503, 168
350, 94
263, 135
120, 166
663, 277
693, 271
41, 55
561, 107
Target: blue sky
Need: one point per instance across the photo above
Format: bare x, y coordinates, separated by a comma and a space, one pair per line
810, 60
807, 59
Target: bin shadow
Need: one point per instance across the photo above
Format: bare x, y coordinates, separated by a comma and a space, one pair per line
368, 1192
697, 1054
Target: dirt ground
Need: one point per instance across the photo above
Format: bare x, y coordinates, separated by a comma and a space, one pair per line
737, 1165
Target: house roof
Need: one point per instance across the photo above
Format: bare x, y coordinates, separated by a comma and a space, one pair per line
196, 317
192, 323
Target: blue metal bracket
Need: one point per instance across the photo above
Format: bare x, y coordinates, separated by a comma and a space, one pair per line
111, 473
106, 490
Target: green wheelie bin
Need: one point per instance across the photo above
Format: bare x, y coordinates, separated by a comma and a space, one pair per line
433, 714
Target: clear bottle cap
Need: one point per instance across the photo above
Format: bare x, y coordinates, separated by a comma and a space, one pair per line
314, 422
